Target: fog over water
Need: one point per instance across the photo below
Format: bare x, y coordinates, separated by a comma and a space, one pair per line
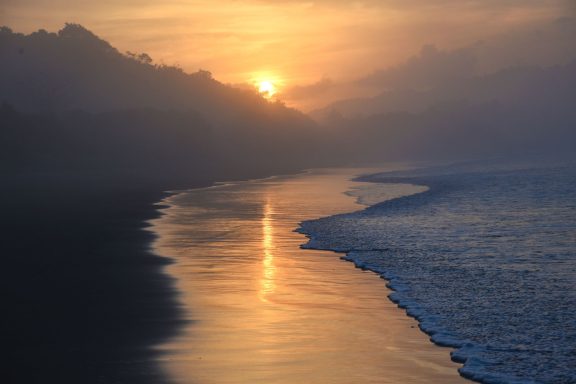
105, 105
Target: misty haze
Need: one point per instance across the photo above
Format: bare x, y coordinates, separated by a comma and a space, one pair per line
188, 186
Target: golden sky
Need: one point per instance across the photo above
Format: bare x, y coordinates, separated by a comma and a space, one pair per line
289, 42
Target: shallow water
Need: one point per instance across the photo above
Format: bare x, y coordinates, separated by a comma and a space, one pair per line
262, 310
486, 259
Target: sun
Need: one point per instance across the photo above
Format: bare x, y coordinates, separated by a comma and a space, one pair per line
267, 88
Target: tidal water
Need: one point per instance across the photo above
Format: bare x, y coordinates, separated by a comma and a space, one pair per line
485, 259
259, 309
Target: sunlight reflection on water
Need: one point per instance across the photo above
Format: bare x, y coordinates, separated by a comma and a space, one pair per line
260, 309
268, 285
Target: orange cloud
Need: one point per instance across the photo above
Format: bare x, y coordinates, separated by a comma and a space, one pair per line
299, 41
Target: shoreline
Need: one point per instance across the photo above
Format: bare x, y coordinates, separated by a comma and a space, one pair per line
409, 308
178, 353
87, 300
455, 255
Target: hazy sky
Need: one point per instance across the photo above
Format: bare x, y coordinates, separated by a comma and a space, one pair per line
309, 45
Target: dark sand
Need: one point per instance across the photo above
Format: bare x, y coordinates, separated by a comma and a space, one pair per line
83, 300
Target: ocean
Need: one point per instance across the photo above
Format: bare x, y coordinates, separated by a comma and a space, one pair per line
484, 258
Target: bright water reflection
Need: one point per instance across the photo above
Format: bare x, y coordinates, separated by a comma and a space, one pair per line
262, 310
269, 269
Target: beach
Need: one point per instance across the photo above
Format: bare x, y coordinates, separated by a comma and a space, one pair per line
258, 308
85, 300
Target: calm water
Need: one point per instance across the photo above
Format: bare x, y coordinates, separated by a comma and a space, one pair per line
262, 310
486, 259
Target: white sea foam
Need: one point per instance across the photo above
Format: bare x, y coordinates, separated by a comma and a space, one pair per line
485, 260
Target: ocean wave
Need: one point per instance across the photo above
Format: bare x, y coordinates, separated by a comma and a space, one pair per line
485, 260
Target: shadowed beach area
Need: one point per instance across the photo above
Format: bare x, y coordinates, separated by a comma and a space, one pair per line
258, 308
84, 300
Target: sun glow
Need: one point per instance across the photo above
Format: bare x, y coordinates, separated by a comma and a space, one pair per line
267, 88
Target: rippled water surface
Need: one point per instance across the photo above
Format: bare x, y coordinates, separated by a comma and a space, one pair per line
485, 259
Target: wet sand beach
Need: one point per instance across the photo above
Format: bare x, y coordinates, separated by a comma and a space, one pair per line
84, 298
259, 309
